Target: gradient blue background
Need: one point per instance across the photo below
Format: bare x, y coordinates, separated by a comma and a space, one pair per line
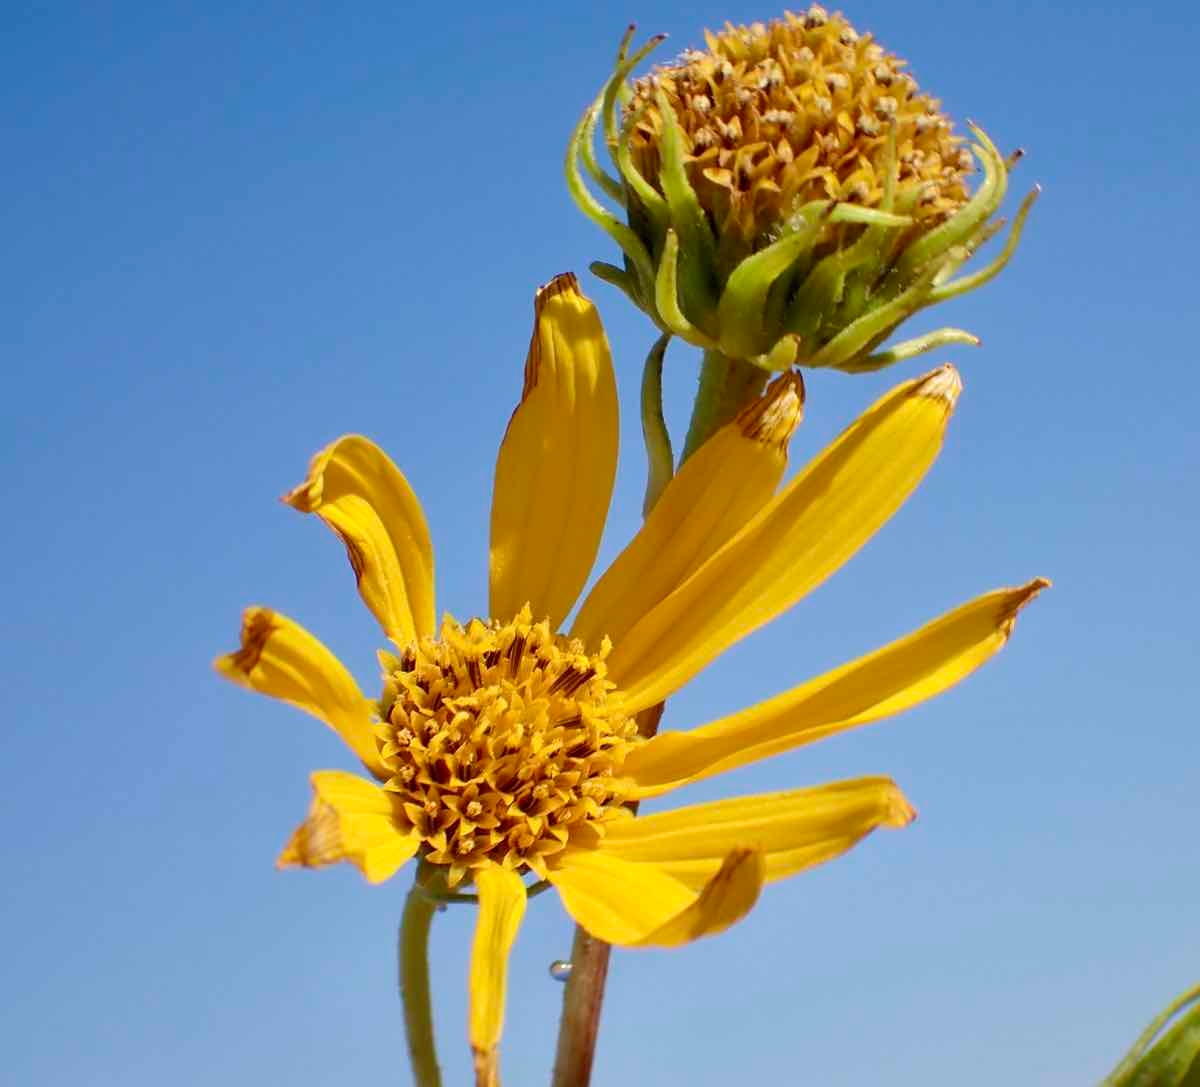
233, 232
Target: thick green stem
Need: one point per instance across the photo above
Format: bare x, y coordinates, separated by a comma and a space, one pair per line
584, 996
726, 386
414, 987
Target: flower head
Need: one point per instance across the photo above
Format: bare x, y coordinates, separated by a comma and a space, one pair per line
502, 742
506, 748
797, 110
790, 194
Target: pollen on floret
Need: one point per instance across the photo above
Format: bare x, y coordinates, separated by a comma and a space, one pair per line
503, 743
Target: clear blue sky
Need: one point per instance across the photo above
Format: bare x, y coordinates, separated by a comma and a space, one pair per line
233, 232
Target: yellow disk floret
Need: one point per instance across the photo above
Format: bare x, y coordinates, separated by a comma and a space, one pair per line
778, 114
503, 742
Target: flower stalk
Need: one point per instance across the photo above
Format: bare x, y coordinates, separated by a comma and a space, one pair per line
414, 985
582, 1003
583, 999
727, 384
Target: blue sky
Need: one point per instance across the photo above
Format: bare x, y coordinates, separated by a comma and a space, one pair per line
233, 232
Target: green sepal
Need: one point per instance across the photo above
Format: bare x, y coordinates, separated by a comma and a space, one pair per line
818, 298
697, 273
1173, 1060
942, 291
660, 457
666, 298
960, 226
587, 155
631, 245
910, 349
742, 310
781, 357
653, 205
876, 324
619, 278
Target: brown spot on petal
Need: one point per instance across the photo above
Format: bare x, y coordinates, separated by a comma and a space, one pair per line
258, 624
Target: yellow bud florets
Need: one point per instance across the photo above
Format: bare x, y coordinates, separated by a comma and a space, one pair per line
779, 114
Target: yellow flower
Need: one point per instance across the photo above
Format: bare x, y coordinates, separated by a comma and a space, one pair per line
789, 195
502, 747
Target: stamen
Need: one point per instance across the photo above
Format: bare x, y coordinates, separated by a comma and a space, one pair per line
515, 651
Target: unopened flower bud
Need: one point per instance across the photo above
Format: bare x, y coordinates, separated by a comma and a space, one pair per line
789, 195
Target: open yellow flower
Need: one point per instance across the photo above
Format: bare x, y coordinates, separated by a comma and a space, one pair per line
502, 747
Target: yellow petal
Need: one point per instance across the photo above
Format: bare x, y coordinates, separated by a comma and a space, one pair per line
354, 487
350, 820
501, 907
888, 681
633, 904
555, 470
794, 830
728, 895
617, 901
718, 489
280, 658
796, 541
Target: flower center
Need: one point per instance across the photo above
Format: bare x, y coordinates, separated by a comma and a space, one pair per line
503, 741
776, 115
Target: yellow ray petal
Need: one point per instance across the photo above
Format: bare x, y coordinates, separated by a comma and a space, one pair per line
715, 493
726, 897
796, 541
354, 487
794, 830
617, 901
888, 681
350, 820
632, 904
555, 470
501, 907
280, 658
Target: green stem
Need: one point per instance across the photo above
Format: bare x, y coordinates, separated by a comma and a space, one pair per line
726, 386
584, 996
414, 986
